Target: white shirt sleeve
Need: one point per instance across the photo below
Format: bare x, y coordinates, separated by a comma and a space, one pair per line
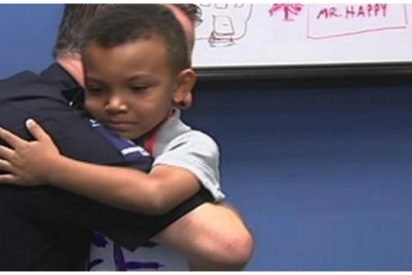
197, 153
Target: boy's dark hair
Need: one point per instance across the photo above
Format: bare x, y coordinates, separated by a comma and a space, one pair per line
120, 24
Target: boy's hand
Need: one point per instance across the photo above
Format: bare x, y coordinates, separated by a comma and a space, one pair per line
27, 163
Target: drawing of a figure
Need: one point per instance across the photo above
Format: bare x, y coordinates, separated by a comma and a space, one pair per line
113, 257
288, 10
223, 24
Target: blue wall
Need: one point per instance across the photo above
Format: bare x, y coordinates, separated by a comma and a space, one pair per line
27, 36
322, 175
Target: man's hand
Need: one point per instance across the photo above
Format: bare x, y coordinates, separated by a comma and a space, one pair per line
26, 163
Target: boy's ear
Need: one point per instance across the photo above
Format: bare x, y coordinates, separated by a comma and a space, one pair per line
186, 81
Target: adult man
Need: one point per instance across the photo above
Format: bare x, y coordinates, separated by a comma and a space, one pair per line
48, 229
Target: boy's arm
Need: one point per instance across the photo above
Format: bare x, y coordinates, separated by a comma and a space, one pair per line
154, 193
39, 161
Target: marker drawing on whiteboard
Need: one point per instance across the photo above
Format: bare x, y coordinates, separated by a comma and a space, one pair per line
340, 20
224, 24
289, 10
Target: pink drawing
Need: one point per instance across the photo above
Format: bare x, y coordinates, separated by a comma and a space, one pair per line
354, 19
289, 10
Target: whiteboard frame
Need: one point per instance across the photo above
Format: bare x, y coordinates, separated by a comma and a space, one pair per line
310, 71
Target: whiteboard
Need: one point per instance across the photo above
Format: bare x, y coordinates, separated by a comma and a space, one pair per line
244, 35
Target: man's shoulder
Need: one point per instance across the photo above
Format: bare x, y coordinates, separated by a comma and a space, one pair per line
27, 83
19, 78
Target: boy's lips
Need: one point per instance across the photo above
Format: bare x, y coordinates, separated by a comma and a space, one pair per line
120, 125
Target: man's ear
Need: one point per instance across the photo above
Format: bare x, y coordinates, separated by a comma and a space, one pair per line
186, 81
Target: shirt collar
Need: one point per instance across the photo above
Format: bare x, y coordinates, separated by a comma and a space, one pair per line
70, 89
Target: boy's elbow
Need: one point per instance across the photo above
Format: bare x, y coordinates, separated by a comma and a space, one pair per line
157, 207
157, 202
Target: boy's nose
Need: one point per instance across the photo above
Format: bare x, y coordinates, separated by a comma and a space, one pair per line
115, 104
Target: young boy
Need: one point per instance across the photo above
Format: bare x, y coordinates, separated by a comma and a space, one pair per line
137, 74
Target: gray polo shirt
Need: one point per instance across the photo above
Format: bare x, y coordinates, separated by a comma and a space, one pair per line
176, 144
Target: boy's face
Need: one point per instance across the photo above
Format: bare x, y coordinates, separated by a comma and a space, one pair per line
131, 87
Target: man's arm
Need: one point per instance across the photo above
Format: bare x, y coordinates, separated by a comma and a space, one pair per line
213, 237
128, 229
207, 245
59, 206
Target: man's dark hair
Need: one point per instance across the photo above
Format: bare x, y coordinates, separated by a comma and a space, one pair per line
121, 24
192, 11
75, 17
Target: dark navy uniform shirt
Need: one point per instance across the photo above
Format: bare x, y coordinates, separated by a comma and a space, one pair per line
45, 228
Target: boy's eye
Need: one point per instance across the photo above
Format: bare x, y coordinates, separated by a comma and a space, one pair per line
138, 88
94, 89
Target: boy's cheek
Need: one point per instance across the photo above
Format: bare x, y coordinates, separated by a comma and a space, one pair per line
93, 106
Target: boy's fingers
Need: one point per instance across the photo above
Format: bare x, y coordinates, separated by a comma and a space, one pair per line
36, 130
5, 152
4, 166
12, 139
7, 178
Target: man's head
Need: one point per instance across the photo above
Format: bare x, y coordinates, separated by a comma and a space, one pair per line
76, 16
136, 66
188, 15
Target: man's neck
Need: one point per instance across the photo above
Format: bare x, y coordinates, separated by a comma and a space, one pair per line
73, 65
